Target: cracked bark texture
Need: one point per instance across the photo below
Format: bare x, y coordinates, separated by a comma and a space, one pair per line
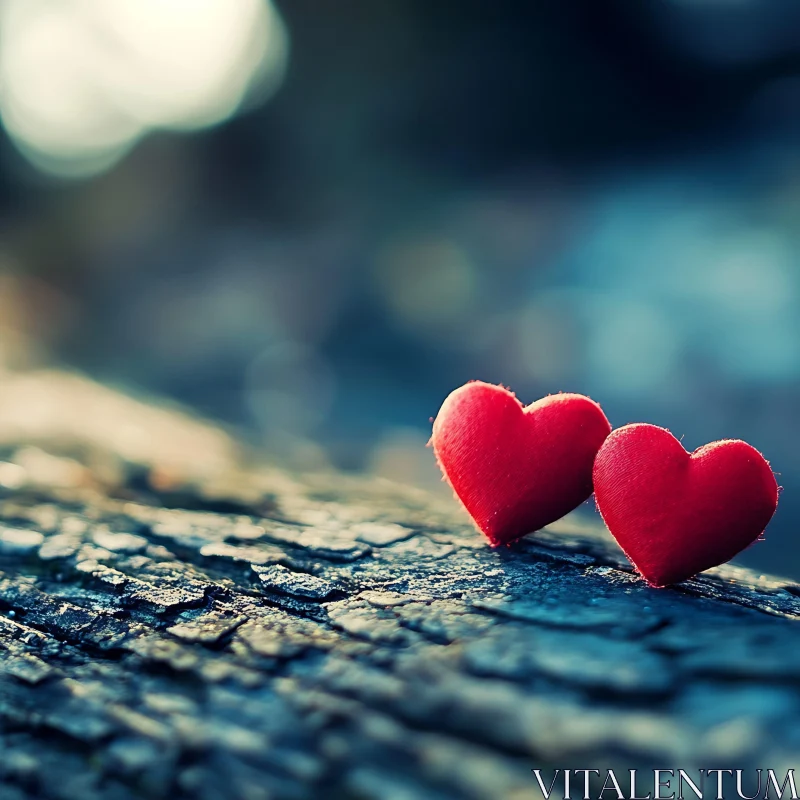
179, 620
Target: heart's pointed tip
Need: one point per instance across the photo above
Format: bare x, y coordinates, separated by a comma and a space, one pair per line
497, 540
493, 543
656, 584
653, 581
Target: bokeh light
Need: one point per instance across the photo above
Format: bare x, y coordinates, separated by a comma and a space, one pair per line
83, 80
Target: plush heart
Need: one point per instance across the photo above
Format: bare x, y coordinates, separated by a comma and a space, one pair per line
676, 514
517, 469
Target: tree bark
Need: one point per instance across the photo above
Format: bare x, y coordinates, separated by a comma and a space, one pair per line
179, 620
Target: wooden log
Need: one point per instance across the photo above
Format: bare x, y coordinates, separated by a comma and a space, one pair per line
180, 620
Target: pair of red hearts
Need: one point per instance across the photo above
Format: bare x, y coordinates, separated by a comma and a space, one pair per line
517, 469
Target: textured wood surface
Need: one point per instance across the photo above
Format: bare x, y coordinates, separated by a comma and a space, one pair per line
177, 620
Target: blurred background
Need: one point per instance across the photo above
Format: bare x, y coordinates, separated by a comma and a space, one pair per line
312, 221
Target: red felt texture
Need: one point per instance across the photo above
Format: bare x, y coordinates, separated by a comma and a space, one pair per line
676, 514
514, 468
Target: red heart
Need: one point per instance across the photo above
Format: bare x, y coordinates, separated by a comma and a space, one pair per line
517, 469
676, 514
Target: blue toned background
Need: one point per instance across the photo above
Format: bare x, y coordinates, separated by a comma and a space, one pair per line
313, 220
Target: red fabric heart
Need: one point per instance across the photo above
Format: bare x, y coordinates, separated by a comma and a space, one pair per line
676, 514
517, 469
